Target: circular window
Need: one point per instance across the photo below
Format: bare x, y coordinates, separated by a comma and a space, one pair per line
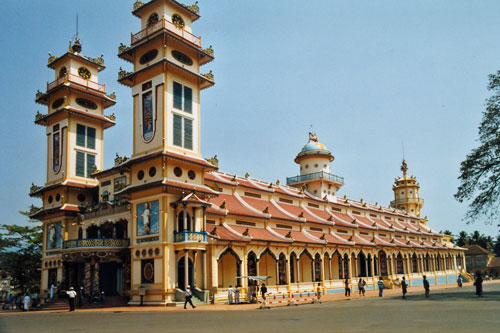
148, 56
324, 165
315, 165
307, 166
177, 171
152, 172
150, 252
181, 57
191, 174
57, 103
315, 191
58, 197
178, 21
81, 197
83, 102
63, 72
157, 251
137, 253
152, 19
140, 175
143, 253
84, 73
50, 199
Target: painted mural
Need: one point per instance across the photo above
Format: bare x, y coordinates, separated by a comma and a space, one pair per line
54, 236
148, 129
147, 218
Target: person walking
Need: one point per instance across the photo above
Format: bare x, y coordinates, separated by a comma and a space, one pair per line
53, 288
478, 282
263, 291
71, 297
26, 302
426, 287
80, 297
318, 292
404, 287
237, 294
380, 285
230, 294
188, 296
347, 288
459, 280
361, 287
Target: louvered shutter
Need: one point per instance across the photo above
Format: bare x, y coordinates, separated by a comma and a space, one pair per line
177, 130
90, 164
80, 164
80, 135
188, 133
177, 96
90, 137
188, 99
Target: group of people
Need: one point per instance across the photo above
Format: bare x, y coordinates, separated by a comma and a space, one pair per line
22, 302
233, 295
253, 290
361, 287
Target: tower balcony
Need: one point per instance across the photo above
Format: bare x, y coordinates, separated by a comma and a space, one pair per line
417, 201
78, 80
314, 176
190, 237
163, 24
90, 243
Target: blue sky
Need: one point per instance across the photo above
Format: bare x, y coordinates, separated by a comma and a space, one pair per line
367, 75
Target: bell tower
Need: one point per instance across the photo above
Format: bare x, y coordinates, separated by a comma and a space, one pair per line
166, 80
406, 193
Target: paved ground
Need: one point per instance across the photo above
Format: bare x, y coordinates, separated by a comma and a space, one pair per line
448, 310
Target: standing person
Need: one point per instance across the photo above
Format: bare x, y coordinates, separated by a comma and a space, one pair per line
404, 287
230, 294
71, 296
255, 290
188, 296
459, 280
26, 302
53, 288
380, 285
347, 288
263, 291
80, 297
426, 287
318, 291
237, 294
361, 287
478, 282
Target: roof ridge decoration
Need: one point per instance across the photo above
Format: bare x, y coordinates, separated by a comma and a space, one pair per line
335, 217
308, 211
308, 235
249, 207
340, 238
213, 233
285, 212
255, 183
235, 233
287, 237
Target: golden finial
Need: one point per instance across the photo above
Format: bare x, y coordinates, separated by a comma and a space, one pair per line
266, 211
313, 137
247, 175
301, 215
404, 168
223, 206
277, 181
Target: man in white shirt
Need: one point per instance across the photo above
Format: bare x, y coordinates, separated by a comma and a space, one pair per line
71, 294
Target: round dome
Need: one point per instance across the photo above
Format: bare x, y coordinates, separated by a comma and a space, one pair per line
312, 145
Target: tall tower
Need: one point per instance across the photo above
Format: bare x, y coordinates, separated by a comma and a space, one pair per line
314, 160
406, 193
166, 190
74, 124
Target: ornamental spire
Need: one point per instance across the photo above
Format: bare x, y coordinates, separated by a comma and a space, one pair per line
404, 168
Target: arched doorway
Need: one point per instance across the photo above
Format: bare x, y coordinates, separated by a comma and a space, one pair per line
317, 267
414, 263
399, 264
228, 269
293, 263
181, 271
267, 266
180, 222
346, 266
362, 265
282, 269
382, 263
251, 264
336, 266
306, 267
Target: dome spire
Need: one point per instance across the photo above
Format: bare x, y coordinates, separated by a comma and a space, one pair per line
404, 168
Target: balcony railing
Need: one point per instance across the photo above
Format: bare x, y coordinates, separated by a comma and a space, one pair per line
95, 242
78, 80
190, 237
107, 211
315, 175
169, 26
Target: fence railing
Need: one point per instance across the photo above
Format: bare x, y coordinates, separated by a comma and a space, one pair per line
95, 242
78, 80
315, 175
190, 236
164, 24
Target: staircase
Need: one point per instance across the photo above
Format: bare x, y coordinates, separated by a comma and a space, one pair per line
63, 304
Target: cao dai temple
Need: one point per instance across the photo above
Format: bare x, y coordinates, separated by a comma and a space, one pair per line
165, 217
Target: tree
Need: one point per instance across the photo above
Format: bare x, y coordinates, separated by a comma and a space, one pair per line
22, 254
480, 172
462, 239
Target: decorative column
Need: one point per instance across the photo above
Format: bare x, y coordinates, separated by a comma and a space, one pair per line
176, 269
204, 269
330, 268
204, 219
366, 266
355, 263
298, 270
341, 260
176, 222
185, 216
276, 267
372, 266
287, 271
193, 226
186, 266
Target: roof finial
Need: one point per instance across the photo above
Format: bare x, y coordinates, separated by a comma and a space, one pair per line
313, 137
404, 168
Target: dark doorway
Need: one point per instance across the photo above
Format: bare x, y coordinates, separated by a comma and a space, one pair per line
108, 278
362, 265
180, 273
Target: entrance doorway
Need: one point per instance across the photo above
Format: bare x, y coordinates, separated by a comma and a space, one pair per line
108, 278
180, 273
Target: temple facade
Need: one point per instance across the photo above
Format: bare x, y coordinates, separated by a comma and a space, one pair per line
165, 217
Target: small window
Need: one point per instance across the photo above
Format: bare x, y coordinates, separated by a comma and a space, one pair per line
315, 165
153, 19
178, 21
58, 197
140, 175
50, 199
152, 172
177, 171
63, 72
191, 174
307, 166
81, 197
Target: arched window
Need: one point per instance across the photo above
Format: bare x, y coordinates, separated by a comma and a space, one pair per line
180, 222
252, 264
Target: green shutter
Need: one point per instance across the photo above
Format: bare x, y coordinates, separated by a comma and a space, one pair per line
90, 137
177, 130
188, 133
80, 135
177, 96
90, 164
188, 99
80, 164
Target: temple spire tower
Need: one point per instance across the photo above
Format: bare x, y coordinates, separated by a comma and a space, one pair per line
406, 193
315, 177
